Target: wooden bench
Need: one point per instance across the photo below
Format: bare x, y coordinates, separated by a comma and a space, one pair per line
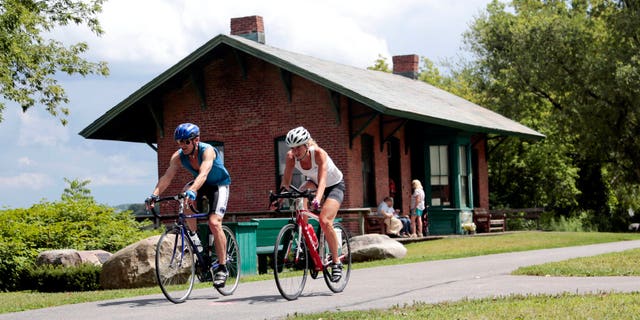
521, 213
374, 223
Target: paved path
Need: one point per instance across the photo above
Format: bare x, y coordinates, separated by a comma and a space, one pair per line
436, 281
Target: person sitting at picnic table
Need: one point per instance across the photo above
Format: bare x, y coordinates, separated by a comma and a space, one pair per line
394, 225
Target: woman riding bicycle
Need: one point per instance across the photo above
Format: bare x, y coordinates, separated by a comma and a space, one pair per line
316, 165
211, 179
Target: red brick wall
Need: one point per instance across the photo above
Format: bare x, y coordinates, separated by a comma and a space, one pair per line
482, 174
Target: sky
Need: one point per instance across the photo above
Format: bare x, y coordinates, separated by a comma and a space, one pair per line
143, 38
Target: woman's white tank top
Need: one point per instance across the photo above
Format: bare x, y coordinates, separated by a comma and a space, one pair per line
334, 175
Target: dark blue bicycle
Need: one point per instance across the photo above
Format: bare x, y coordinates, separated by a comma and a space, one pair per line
179, 261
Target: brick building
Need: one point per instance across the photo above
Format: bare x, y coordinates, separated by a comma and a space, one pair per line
376, 126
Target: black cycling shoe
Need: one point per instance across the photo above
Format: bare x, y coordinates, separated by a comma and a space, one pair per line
220, 276
336, 272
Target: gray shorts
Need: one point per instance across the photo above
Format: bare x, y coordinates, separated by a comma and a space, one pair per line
335, 191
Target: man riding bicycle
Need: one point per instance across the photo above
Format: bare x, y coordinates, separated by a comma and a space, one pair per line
315, 164
212, 180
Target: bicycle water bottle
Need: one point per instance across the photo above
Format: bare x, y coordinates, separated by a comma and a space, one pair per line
196, 241
312, 236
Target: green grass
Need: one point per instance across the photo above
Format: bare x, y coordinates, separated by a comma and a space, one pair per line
468, 246
455, 247
565, 306
624, 263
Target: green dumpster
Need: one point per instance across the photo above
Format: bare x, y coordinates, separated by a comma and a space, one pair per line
245, 233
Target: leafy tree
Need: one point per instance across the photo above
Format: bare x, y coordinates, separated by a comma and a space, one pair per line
77, 190
29, 60
570, 69
381, 64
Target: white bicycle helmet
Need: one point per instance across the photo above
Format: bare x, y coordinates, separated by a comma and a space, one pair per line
297, 137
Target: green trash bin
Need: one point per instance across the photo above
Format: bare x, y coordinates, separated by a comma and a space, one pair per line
245, 233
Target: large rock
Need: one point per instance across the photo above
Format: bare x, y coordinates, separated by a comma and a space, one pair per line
61, 257
131, 267
72, 258
375, 247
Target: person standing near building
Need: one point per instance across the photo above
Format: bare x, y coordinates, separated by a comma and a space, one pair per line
316, 165
417, 208
212, 181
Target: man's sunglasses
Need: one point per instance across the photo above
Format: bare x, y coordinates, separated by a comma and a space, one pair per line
184, 141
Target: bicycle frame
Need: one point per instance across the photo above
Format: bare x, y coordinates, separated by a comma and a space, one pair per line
302, 223
182, 223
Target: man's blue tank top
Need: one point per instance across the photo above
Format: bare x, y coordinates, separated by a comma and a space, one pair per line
218, 176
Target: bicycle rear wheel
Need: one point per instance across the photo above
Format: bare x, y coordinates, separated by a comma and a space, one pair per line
290, 262
232, 262
344, 253
175, 265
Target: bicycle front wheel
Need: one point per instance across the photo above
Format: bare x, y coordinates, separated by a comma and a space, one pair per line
344, 255
290, 262
175, 264
232, 262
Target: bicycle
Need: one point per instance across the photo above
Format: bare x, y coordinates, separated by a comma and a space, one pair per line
291, 254
176, 269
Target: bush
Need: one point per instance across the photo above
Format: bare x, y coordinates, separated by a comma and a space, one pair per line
75, 223
47, 278
579, 223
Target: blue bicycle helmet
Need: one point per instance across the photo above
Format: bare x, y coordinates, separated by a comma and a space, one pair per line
186, 131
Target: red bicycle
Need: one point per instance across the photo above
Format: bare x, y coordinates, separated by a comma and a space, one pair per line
298, 252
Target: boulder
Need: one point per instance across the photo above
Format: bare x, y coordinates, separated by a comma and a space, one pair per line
72, 257
133, 266
375, 247
61, 257
97, 257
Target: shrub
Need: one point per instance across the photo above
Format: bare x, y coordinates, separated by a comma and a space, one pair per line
47, 278
76, 223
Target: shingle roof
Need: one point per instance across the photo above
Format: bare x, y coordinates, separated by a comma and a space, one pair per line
386, 93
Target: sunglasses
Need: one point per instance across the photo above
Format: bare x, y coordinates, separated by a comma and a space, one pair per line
184, 141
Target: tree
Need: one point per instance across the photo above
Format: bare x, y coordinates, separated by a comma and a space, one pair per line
576, 66
77, 190
380, 64
29, 61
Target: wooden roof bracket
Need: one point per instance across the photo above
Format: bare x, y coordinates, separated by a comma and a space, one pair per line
501, 138
197, 79
383, 138
155, 148
285, 76
241, 63
335, 102
352, 135
156, 114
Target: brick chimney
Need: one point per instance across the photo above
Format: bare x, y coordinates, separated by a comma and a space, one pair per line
406, 65
250, 27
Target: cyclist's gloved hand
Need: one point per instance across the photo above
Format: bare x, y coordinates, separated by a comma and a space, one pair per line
150, 200
315, 204
191, 194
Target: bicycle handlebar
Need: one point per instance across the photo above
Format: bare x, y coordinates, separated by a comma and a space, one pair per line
178, 197
294, 193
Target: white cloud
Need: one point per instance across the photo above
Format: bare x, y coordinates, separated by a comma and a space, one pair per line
28, 181
120, 169
25, 162
40, 131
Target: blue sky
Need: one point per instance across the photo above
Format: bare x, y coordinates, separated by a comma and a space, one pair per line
145, 37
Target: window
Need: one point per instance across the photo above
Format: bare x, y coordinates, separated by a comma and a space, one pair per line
218, 145
439, 163
368, 171
281, 154
464, 177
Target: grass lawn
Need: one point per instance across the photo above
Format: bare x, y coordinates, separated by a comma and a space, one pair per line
565, 306
455, 247
624, 263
